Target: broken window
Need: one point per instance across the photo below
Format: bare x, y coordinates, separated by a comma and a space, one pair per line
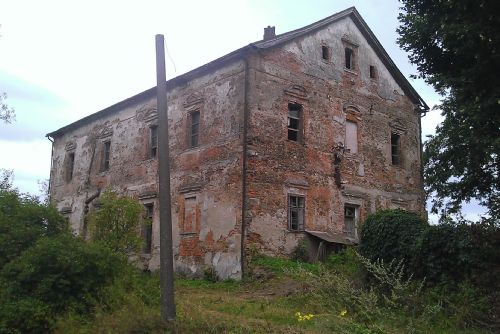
373, 72
153, 141
147, 228
325, 52
294, 122
395, 148
296, 206
106, 155
194, 131
70, 166
349, 59
351, 136
350, 217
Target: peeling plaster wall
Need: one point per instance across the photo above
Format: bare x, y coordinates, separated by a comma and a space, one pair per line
329, 95
208, 176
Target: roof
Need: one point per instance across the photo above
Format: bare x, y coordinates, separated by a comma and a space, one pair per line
262, 45
337, 238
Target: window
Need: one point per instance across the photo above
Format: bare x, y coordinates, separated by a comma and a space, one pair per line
350, 220
296, 213
396, 149
153, 141
294, 122
351, 136
349, 59
106, 155
190, 215
147, 228
373, 72
325, 52
194, 131
70, 166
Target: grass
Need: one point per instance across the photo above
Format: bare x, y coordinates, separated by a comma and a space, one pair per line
254, 306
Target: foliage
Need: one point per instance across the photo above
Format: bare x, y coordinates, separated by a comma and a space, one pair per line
300, 252
117, 222
23, 221
449, 253
390, 234
7, 114
56, 274
456, 47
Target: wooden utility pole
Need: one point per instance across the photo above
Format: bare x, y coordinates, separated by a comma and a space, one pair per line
166, 254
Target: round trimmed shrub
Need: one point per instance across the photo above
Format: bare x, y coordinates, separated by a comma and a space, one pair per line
391, 234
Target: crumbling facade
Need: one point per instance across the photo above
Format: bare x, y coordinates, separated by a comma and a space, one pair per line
300, 134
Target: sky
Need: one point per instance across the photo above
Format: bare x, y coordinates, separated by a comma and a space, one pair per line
63, 60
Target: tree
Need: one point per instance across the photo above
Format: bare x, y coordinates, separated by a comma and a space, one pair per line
117, 222
455, 45
7, 113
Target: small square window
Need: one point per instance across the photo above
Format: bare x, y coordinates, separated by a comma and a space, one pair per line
349, 59
294, 122
396, 148
325, 52
296, 208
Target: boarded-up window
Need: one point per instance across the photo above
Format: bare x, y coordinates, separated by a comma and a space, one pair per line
189, 215
147, 228
106, 155
70, 166
351, 136
296, 208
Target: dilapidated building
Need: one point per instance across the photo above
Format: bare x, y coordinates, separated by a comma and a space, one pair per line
299, 134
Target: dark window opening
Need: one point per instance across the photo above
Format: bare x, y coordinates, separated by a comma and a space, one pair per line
349, 58
194, 129
350, 220
107, 154
153, 141
325, 52
296, 208
147, 228
70, 166
396, 148
294, 121
373, 72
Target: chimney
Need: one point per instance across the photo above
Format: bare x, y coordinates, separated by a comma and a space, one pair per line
269, 33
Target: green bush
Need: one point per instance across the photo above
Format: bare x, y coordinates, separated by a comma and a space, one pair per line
117, 222
24, 220
391, 234
53, 276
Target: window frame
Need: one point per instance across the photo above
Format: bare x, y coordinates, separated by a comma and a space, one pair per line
70, 166
355, 218
300, 209
349, 55
106, 156
192, 126
326, 54
300, 122
396, 152
373, 72
153, 141
147, 229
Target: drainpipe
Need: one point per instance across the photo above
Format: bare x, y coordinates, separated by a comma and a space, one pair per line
50, 172
244, 169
